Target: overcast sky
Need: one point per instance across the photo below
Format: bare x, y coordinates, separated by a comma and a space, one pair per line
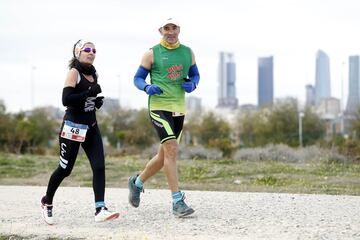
36, 39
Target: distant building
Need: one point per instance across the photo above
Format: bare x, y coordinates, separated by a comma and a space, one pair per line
193, 104
353, 102
110, 105
227, 78
310, 95
329, 110
322, 77
248, 108
265, 81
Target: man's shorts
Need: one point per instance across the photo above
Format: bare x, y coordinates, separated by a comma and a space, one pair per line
167, 124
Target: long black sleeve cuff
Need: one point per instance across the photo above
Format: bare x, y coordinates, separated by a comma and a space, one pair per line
72, 99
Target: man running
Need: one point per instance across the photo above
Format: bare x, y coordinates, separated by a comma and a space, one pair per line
173, 72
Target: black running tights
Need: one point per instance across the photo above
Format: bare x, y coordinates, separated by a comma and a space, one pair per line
93, 147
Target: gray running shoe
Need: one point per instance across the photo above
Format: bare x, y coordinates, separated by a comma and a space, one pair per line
180, 209
134, 192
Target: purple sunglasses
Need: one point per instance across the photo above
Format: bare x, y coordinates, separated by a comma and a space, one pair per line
89, 49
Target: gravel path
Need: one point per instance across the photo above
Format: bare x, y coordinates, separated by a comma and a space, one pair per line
218, 215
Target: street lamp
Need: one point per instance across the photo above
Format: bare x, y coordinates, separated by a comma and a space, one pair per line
32, 87
301, 115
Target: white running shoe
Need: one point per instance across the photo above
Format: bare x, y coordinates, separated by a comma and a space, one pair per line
46, 212
104, 215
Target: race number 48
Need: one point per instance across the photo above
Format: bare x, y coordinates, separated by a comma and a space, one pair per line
74, 131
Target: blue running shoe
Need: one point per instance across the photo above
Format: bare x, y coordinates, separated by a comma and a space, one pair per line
180, 209
134, 192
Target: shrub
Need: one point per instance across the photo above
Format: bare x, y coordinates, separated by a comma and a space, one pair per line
199, 152
284, 153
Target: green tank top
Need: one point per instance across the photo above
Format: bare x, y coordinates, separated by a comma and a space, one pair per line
168, 71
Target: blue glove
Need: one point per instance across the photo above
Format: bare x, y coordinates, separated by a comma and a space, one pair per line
191, 83
188, 86
153, 89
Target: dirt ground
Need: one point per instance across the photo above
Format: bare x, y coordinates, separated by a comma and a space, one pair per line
218, 215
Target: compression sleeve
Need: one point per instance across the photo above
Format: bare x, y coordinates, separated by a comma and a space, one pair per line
194, 74
139, 78
71, 99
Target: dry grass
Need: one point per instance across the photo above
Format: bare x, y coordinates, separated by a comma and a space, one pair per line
321, 177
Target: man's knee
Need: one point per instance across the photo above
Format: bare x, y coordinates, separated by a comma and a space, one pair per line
170, 146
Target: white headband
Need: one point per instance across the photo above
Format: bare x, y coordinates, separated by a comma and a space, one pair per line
79, 45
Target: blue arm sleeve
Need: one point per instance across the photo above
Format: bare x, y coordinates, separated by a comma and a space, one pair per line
194, 74
139, 78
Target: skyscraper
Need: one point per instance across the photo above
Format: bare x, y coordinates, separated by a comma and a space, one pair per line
322, 78
310, 95
227, 78
353, 102
265, 81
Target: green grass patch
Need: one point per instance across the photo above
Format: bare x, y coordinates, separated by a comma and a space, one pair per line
197, 174
267, 181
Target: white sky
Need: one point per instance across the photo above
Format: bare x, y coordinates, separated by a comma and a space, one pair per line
41, 33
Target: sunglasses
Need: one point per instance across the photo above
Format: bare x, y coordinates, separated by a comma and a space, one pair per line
88, 49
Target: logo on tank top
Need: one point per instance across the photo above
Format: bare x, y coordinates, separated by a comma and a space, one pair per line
175, 72
89, 104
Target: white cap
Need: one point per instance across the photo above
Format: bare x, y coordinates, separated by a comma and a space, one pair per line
170, 21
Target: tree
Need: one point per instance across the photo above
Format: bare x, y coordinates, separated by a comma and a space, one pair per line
284, 123
129, 128
41, 129
279, 124
5, 125
355, 124
141, 132
215, 132
314, 127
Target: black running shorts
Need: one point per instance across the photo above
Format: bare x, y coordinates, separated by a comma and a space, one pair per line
167, 124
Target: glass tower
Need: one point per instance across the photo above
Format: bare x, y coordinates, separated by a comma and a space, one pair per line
227, 78
322, 78
265, 81
353, 102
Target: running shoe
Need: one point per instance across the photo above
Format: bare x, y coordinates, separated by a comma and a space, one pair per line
46, 211
103, 214
180, 209
134, 192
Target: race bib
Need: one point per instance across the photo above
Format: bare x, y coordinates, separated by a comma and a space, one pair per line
74, 131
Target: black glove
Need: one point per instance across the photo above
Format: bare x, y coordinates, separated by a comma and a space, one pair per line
94, 90
99, 102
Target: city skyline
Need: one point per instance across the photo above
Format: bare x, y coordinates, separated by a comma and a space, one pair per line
36, 45
232, 64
